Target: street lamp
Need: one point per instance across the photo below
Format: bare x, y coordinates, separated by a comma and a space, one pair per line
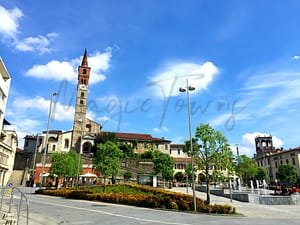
46, 142
34, 157
80, 151
187, 89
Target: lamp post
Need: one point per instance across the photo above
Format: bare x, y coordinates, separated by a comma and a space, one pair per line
187, 89
46, 141
34, 157
80, 151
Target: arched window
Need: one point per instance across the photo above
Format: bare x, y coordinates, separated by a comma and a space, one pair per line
86, 148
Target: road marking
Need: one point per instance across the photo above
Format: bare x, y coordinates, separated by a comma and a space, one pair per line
111, 214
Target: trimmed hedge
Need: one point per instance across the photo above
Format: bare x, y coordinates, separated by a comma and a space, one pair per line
142, 196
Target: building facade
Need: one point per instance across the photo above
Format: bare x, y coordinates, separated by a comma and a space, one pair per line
270, 158
142, 142
181, 159
8, 138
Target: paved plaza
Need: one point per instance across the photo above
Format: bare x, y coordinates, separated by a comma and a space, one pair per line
250, 209
49, 210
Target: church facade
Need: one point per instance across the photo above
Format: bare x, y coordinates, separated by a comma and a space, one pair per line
81, 137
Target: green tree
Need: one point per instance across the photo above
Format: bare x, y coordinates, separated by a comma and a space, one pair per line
214, 152
127, 150
107, 160
163, 164
179, 176
262, 174
194, 154
102, 138
65, 165
246, 168
147, 155
127, 176
286, 174
188, 172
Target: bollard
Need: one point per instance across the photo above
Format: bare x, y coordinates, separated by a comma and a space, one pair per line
9, 191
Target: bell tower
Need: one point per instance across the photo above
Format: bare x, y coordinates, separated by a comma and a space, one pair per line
263, 145
79, 124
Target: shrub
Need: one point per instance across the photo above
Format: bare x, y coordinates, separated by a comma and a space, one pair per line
173, 205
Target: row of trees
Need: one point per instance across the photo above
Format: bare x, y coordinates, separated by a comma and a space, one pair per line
107, 160
65, 165
248, 169
211, 153
109, 154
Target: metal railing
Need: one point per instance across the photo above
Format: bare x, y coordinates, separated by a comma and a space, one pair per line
8, 202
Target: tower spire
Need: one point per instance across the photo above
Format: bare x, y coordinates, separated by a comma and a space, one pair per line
84, 59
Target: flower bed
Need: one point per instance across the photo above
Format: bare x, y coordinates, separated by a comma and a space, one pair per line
142, 196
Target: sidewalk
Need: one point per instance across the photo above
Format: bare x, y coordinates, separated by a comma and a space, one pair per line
249, 209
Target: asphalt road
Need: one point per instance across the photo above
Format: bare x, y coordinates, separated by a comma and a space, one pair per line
49, 210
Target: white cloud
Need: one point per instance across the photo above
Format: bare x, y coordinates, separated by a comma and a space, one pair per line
38, 104
99, 62
228, 120
247, 145
67, 70
160, 129
31, 44
284, 99
167, 81
90, 114
110, 103
24, 127
178, 140
219, 120
296, 57
270, 92
54, 70
9, 29
230, 115
104, 118
272, 80
29, 115
9, 22
63, 112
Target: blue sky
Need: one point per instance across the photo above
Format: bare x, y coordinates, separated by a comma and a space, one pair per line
243, 58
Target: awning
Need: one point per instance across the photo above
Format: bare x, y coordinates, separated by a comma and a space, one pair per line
48, 174
88, 175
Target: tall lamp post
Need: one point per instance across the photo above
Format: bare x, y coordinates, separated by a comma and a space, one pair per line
46, 142
80, 151
33, 171
187, 89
